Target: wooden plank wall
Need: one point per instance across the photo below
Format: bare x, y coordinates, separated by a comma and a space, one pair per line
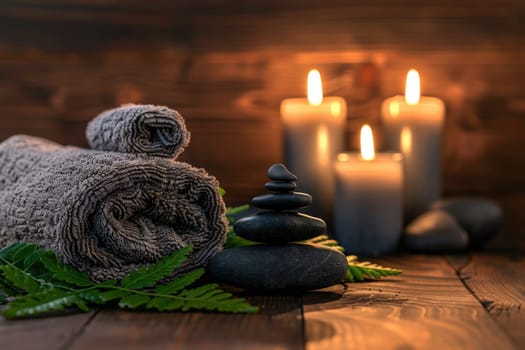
227, 65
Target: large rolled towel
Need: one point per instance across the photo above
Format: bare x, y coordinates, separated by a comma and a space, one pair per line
105, 212
152, 130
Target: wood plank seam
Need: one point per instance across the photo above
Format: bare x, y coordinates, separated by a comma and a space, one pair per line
303, 324
493, 308
78, 333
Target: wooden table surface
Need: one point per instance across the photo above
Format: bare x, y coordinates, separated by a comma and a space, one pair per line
468, 301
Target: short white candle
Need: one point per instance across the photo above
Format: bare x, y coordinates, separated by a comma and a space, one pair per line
313, 136
413, 125
368, 206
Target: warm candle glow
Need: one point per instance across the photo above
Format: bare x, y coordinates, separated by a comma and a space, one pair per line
393, 108
335, 109
315, 88
322, 139
367, 143
412, 88
406, 140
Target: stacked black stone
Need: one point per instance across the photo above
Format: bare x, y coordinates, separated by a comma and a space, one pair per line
277, 264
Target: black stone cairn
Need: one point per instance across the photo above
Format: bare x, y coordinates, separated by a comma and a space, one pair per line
277, 264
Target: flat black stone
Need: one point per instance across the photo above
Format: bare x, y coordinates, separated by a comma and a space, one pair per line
280, 186
279, 227
282, 201
481, 218
278, 172
287, 267
435, 231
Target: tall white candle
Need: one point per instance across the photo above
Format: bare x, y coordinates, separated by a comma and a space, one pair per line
368, 204
413, 125
313, 136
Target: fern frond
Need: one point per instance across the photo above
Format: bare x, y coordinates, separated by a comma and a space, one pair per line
22, 265
148, 276
133, 301
48, 301
65, 273
180, 283
326, 241
359, 271
22, 280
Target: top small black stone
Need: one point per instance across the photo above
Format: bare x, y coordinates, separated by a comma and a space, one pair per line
278, 172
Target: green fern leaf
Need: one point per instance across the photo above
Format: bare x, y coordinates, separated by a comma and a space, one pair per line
33, 262
161, 303
360, 271
48, 301
65, 273
114, 294
21, 254
17, 252
6, 288
326, 241
8, 252
148, 276
199, 291
133, 301
92, 297
22, 280
180, 283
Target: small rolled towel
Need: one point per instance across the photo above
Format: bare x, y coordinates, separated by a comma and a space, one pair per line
107, 213
153, 130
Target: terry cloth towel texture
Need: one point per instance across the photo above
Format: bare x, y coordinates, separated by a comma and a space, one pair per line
153, 130
107, 213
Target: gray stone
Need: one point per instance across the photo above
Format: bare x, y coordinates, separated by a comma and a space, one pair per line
290, 267
481, 218
282, 201
435, 231
279, 227
280, 186
278, 172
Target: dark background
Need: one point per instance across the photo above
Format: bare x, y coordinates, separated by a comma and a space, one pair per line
226, 65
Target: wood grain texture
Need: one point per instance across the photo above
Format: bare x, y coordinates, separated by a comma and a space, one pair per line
46, 333
498, 283
231, 103
426, 307
226, 66
278, 325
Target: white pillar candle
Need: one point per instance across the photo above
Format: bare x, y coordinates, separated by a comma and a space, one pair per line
368, 206
313, 136
413, 125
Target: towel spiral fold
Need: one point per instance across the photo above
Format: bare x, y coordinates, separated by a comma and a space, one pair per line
108, 213
153, 130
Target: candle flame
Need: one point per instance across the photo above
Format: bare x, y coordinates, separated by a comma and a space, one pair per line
315, 88
367, 143
412, 87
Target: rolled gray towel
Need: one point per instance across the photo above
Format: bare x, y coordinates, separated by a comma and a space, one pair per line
105, 212
152, 130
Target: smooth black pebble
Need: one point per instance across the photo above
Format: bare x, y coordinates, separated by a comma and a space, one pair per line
282, 201
280, 186
481, 218
279, 227
278, 172
290, 267
435, 231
